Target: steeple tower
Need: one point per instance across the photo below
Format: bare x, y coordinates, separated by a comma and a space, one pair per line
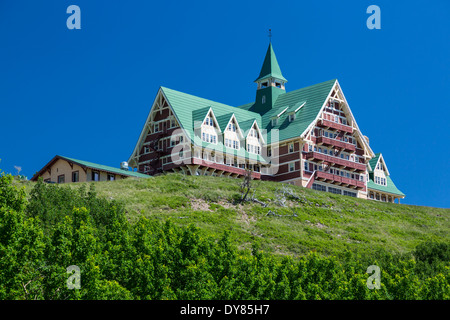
270, 82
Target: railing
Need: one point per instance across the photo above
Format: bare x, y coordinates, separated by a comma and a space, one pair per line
224, 167
336, 143
334, 125
335, 160
339, 179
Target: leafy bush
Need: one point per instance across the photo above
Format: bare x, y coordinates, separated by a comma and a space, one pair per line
150, 259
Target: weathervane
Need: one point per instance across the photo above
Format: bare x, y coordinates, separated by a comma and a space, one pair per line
270, 35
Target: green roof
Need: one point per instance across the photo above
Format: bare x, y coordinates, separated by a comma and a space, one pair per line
101, 167
189, 109
270, 66
314, 98
388, 188
373, 162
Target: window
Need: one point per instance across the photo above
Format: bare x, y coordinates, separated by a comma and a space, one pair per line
291, 117
319, 187
146, 149
231, 127
291, 147
156, 129
348, 193
305, 166
48, 180
269, 152
334, 190
95, 176
274, 122
291, 166
336, 119
344, 121
61, 178
111, 177
75, 176
263, 99
172, 123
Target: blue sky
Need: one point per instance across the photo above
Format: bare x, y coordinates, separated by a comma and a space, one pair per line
86, 93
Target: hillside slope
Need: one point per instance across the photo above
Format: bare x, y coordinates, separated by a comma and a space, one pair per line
306, 220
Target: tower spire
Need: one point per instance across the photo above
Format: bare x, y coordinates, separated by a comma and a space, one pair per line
270, 68
270, 81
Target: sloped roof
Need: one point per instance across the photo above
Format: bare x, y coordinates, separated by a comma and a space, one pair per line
373, 162
314, 98
388, 188
92, 165
187, 106
270, 67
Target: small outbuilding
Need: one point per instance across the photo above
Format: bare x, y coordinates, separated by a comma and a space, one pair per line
64, 170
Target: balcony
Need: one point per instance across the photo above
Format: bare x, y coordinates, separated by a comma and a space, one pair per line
335, 143
330, 124
338, 180
343, 163
224, 167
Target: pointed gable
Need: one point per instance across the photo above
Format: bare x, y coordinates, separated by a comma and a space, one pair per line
270, 66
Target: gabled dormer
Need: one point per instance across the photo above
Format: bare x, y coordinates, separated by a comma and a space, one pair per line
270, 83
232, 134
378, 170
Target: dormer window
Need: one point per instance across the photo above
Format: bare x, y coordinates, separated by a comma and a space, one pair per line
291, 117
231, 127
274, 122
253, 133
209, 121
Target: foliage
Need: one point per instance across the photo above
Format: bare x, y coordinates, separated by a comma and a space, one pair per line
147, 258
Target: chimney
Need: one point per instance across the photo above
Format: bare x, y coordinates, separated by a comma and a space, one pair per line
367, 139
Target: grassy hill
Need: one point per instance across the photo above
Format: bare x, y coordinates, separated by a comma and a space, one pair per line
185, 237
295, 221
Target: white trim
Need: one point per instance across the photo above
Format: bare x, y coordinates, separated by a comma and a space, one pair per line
300, 107
279, 115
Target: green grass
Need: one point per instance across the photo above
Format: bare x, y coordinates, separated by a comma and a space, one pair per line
325, 223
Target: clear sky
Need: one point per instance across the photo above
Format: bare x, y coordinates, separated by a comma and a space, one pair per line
86, 93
